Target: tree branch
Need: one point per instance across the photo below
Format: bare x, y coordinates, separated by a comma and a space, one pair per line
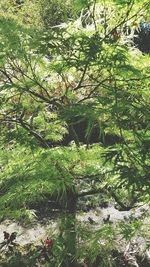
106, 190
34, 133
92, 192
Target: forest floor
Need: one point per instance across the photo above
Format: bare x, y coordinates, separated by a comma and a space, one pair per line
37, 232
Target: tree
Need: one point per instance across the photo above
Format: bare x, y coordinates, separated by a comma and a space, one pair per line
51, 80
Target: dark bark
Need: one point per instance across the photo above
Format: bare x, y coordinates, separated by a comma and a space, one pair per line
69, 230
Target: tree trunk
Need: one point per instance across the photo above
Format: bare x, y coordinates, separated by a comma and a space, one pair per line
69, 230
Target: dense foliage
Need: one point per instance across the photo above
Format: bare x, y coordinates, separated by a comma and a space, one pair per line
72, 72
